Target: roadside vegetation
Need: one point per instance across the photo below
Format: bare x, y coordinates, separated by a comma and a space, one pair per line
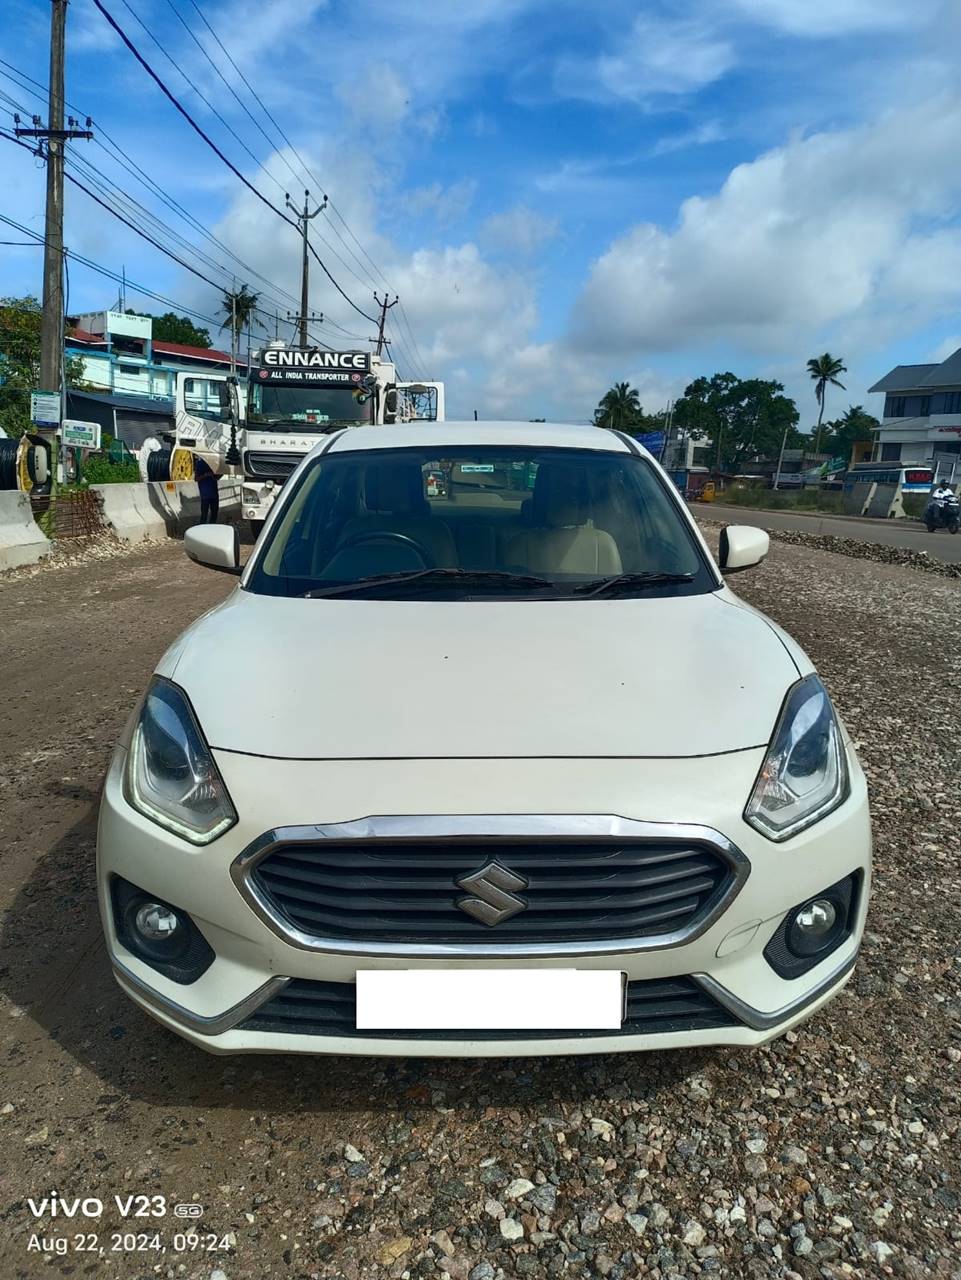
761, 498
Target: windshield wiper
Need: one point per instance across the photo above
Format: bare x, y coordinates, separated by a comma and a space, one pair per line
473, 577
627, 582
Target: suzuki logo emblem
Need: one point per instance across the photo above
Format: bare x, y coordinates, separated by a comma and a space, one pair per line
493, 894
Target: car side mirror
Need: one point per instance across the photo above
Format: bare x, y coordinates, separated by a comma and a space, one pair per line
215, 545
742, 547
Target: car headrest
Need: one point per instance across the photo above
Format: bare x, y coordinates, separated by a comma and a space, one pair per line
398, 490
560, 497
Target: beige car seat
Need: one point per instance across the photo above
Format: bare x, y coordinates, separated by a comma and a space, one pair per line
563, 539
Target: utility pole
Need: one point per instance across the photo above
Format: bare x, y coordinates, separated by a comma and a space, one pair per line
304, 218
52, 318
385, 306
780, 457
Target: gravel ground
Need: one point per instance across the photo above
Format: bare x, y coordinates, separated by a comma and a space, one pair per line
831, 1153
859, 550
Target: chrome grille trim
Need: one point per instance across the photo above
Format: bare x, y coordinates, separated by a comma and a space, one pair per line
489, 828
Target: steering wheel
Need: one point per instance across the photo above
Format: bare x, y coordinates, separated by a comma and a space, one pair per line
377, 535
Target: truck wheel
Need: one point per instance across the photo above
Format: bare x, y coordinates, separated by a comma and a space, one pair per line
255, 527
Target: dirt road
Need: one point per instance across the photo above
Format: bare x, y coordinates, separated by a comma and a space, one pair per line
834, 1154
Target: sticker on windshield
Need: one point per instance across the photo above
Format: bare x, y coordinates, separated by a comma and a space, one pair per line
467, 467
310, 415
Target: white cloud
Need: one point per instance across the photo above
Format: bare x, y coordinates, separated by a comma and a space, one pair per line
700, 136
519, 230
944, 349
818, 18
658, 56
376, 95
826, 229
444, 204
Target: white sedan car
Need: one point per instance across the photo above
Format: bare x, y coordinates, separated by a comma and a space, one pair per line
494, 766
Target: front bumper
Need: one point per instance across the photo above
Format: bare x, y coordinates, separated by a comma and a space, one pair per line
722, 962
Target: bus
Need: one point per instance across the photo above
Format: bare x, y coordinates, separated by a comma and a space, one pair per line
910, 477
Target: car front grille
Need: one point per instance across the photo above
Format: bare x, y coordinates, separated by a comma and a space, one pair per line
407, 891
654, 1006
270, 466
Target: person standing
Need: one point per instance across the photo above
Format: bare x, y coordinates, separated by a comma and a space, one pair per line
209, 492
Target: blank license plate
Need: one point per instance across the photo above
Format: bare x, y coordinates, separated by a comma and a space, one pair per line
489, 999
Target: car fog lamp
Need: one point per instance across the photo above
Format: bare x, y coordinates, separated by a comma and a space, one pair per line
816, 926
816, 919
156, 922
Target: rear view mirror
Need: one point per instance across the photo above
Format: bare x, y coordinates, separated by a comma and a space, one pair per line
742, 547
215, 545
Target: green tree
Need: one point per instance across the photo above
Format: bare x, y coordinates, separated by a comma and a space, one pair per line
20, 362
842, 434
620, 408
173, 328
239, 306
824, 370
742, 420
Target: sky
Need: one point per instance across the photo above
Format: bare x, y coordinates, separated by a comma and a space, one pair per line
562, 195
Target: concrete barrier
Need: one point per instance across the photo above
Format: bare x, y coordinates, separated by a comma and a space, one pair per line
874, 500
21, 540
159, 509
858, 497
886, 502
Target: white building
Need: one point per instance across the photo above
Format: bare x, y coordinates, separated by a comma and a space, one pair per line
921, 420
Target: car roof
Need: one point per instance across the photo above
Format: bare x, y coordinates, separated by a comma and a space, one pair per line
442, 435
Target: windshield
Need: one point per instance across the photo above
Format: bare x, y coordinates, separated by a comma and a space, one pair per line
307, 406
534, 523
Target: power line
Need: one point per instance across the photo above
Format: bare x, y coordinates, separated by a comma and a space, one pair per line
202, 96
377, 272
217, 151
305, 167
113, 275
145, 235
115, 152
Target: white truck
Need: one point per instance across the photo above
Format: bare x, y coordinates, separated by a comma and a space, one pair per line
292, 395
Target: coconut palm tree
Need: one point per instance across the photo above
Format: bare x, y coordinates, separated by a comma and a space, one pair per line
240, 308
824, 369
620, 408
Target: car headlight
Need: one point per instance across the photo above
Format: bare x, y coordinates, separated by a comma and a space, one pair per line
171, 776
804, 775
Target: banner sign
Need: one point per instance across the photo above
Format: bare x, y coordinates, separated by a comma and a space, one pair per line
45, 408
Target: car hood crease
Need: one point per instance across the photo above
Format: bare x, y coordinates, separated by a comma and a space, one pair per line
373, 679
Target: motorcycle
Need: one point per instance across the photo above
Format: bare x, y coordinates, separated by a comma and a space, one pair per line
943, 513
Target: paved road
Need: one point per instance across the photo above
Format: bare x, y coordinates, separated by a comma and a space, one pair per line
891, 533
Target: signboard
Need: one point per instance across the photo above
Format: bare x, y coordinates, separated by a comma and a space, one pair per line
311, 358
45, 408
652, 441
80, 435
